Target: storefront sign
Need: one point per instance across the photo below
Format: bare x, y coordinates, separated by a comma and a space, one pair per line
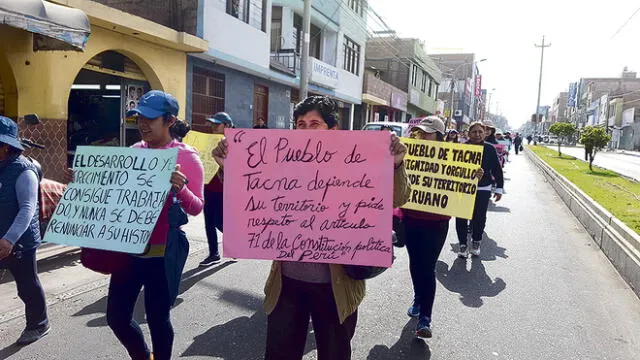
306, 196
442, 176
205, 143
115, 199
399, 101
324, 74
478, 92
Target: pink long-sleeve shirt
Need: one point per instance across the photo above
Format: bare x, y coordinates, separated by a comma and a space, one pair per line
191, 196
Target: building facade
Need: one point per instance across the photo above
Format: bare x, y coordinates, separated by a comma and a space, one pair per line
404, 64
461, 86
81, 96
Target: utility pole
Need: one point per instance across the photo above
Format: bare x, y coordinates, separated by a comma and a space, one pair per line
304, 63
453, 84
543, 46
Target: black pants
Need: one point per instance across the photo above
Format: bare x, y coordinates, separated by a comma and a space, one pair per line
25, 272
287, 325
213, 219
124, 289
517, 148
479, 220
425, 240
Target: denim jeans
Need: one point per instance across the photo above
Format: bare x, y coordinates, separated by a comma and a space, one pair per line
124, 289
425, 240
479, 220
25, 272
213, 219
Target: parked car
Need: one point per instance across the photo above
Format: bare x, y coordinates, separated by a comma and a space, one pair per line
399, 128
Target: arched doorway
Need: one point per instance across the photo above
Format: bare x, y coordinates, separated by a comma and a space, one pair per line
105, 88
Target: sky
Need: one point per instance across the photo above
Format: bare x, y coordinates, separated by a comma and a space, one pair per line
505, 32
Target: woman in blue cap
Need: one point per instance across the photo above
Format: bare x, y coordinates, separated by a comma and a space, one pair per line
20, 228
155, 114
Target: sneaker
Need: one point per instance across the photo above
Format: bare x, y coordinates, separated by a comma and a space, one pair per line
414, 310
423, 329
463, 253
475, 248
210, 260
30, 336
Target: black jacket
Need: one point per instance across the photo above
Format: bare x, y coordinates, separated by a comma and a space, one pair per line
491, 167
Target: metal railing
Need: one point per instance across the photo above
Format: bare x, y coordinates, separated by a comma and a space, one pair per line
289, 59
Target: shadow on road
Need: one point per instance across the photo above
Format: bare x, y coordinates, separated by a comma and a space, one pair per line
490, 250
189, 279
496, 208
9, 351
241, 338
50, 264
408, 347
472, 284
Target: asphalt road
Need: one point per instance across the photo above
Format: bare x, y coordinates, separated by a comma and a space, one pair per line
626, 165
541, 290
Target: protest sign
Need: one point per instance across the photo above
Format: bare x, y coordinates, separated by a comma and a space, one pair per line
310, 196
114, 200
442, 176
204, 143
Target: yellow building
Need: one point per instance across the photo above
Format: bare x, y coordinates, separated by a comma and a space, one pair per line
81, 96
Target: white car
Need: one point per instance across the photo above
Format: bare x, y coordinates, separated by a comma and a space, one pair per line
399, 128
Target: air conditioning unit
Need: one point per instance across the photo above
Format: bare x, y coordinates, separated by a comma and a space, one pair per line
457, 113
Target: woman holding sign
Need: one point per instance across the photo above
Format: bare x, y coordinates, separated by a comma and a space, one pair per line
155, 114
297, 291
426, 234
492, 170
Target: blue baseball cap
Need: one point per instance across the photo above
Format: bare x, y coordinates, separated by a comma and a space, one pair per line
154, 104
221, 118
9, 133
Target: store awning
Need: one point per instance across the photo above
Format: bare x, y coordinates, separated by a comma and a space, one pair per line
55, 27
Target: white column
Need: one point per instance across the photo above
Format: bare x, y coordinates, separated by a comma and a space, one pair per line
352, 109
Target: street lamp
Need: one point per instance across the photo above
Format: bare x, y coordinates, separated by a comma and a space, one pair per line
453, 81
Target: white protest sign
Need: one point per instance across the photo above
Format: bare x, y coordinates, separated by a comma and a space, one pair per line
115, 199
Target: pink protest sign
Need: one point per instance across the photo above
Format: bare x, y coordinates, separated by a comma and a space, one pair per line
311, 196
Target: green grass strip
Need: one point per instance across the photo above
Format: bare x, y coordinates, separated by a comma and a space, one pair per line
617, 194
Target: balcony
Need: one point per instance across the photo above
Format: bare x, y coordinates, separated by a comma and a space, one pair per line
286, 61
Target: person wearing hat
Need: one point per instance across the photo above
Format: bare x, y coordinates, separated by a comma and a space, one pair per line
20, 229
213, 205
490, 132
426, 234
452, 135
155, 114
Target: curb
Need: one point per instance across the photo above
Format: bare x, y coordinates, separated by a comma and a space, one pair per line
616, 240
630, 153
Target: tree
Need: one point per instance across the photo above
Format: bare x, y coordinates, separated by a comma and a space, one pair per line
594, 139
562, 130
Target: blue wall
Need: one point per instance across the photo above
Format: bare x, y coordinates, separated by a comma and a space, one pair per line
239, 90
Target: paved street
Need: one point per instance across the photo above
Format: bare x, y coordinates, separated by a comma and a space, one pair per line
626, 165
542, 290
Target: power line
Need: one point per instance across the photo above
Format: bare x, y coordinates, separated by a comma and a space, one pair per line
625, 23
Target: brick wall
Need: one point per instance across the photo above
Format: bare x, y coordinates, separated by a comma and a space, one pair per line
180, 15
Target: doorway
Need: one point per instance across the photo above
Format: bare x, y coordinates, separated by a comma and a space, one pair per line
261, 105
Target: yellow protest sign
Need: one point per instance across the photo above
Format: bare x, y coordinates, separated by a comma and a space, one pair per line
442, 176
205, 143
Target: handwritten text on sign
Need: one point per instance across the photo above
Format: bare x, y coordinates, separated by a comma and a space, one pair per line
311, 196
115, 199
442, 176
204, 143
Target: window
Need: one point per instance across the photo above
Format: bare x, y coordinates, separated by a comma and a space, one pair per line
207, 97
357, 6
351, 56
248, 11
315, 34
425, 79
414, 75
